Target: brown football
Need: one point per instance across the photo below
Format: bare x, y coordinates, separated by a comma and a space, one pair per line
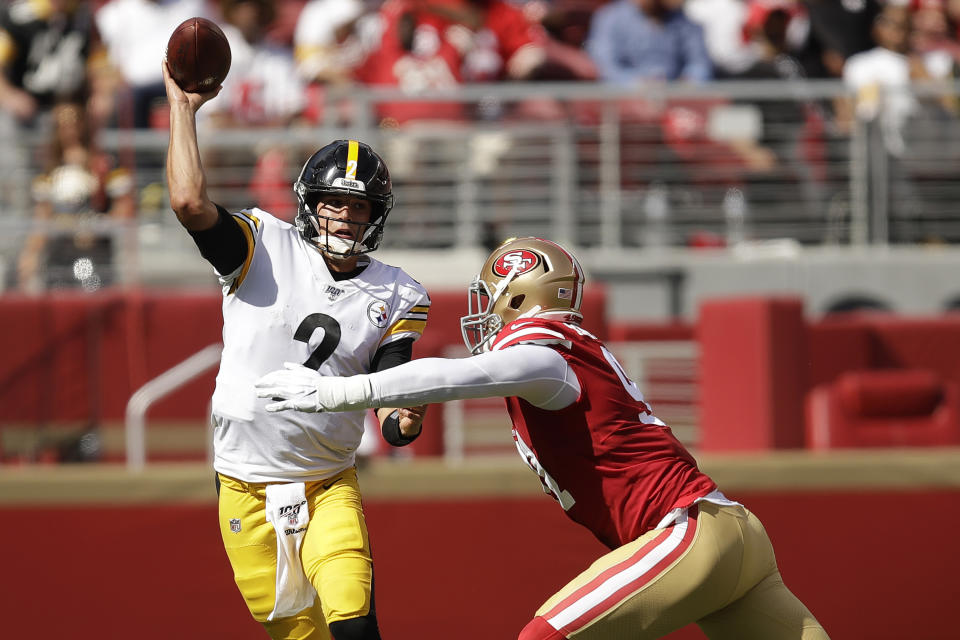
198, 55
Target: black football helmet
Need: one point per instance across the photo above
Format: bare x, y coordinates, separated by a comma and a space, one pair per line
343, 167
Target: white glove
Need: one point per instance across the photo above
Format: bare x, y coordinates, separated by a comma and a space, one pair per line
302, 389
293, 387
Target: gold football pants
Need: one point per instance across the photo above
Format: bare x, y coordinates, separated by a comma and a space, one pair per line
716, 568
335, 554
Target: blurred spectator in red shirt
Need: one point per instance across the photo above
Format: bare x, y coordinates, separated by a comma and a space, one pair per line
442, 44
414, 54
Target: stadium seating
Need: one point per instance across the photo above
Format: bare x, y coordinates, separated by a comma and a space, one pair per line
884, 408
865, 380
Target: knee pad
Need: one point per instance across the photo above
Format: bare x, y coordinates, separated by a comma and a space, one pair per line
362, 628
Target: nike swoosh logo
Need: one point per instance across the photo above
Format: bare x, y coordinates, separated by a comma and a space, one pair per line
325, 486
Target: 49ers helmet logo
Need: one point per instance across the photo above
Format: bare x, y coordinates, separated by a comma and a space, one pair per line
522, 259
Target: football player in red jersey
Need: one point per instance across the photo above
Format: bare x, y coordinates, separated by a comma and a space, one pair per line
680, 551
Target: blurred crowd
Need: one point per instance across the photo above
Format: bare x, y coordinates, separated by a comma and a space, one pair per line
97, 64
105, 53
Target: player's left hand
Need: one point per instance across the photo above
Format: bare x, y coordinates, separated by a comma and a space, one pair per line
411, 420
293, 387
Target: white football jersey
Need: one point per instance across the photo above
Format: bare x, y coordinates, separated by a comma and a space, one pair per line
282, 305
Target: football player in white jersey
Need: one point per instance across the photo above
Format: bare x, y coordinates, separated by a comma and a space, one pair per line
289, 504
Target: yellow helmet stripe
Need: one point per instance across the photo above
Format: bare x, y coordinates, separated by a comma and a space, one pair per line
353, 148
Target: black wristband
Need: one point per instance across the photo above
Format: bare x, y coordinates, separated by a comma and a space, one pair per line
391, 431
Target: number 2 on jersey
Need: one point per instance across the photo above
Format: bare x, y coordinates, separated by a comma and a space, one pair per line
331, 337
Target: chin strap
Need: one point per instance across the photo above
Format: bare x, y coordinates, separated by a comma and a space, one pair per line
336, 246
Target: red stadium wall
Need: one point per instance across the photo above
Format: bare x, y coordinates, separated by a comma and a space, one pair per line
473, 569
70, 356
77, 358
760, 361
74, 356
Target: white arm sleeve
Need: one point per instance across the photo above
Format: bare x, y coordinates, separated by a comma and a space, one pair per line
538, 374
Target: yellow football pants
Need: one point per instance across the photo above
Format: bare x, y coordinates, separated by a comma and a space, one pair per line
335, 554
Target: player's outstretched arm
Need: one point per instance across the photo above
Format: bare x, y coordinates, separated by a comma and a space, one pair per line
185, 177
537, 374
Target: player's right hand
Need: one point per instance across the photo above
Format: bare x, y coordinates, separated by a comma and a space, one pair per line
176, 95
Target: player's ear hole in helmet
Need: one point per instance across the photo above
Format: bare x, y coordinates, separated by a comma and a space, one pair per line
343, 168
522, 278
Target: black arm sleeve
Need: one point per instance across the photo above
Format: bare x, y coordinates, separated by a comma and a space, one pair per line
223, 245
390, 355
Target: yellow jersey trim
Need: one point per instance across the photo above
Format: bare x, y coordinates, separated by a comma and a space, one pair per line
405, 326
248, 234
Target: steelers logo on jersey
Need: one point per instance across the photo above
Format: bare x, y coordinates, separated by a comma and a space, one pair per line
379, 313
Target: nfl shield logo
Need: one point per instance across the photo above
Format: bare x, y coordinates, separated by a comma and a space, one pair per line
235, 525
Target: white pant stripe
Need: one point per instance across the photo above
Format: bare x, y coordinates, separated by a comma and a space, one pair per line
621, 579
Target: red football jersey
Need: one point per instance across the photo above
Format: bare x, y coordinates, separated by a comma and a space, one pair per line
442, 54
613, 466
433, 63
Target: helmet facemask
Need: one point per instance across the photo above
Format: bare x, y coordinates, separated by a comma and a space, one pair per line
313, 226
481, 324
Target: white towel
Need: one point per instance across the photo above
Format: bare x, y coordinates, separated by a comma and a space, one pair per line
287, 510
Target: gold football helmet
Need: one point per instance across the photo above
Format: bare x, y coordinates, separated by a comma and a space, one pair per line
522, 278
